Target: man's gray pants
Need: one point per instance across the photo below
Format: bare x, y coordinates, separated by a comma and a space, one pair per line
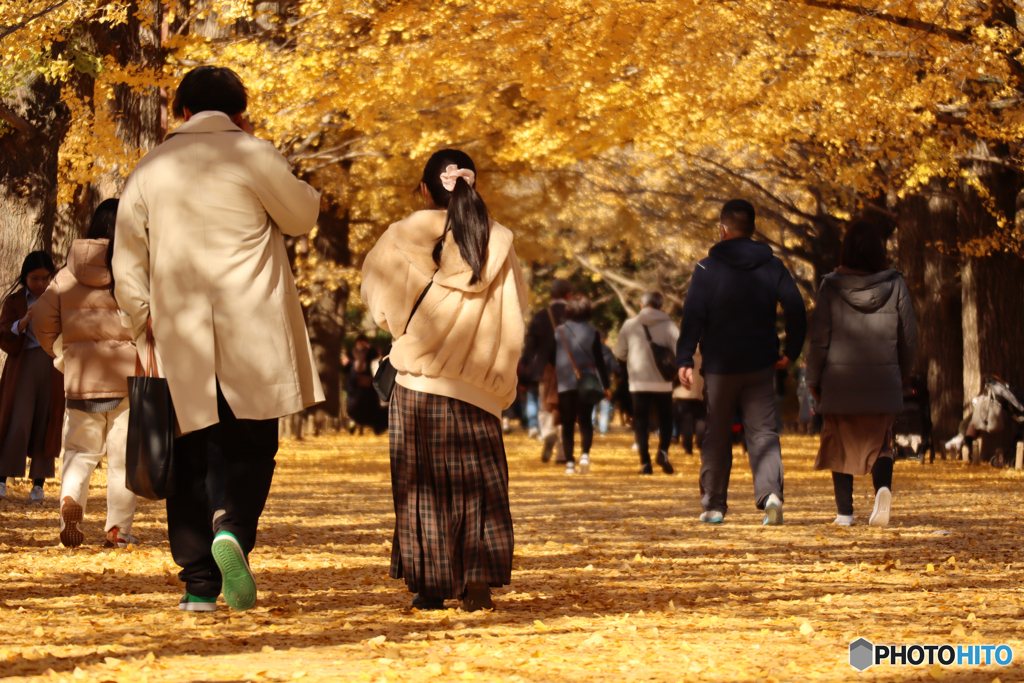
753, 395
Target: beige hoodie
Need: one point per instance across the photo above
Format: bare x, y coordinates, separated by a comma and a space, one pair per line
465, 340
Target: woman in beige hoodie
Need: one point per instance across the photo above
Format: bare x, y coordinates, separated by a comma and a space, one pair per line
456, 361
98, 357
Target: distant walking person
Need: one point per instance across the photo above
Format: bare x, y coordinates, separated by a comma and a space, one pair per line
98, 358
646, 383
688, 410
538, 350
730, 309
577, 352
200, 256
31, 390
447, 284
863, 339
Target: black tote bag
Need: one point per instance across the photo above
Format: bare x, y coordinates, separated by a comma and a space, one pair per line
149, 458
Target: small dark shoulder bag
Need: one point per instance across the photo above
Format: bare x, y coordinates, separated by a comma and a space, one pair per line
384, 378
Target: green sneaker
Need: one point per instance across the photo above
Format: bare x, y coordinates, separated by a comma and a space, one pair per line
195, 603
239, 585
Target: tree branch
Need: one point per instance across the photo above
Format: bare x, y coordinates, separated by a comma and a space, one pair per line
25, 22
17, 122
963, 37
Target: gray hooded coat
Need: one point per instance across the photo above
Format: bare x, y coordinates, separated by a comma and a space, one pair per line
862, 342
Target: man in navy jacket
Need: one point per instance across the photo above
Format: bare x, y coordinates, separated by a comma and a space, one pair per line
730, 309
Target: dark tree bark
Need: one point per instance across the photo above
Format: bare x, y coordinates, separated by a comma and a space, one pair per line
929, 260
28, 172
993, 292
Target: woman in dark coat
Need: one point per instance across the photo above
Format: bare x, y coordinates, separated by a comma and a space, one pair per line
577, 347
863, 338
363, 404
31, 390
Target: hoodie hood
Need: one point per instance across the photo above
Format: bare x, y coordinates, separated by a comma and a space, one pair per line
415, 237
865, 293
651, 316
87, 261
742, 253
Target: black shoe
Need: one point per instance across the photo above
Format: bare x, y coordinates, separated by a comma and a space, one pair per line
666, 466
477, 597
549, 447
646, 468
427, 602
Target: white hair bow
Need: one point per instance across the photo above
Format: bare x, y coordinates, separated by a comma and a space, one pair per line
452, 173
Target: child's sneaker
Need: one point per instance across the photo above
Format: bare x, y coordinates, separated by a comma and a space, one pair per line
120, 539
70, 516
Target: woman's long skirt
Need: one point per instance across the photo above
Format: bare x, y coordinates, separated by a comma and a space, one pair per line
852, 443
449, 477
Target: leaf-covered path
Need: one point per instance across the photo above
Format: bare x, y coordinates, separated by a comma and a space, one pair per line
615, 580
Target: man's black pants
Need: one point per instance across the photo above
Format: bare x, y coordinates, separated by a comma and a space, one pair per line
642, 402
249, 447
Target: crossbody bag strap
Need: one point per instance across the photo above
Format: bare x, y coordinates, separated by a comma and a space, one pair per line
415, 306
578, 343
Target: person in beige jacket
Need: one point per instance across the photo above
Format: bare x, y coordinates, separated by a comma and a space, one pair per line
456, 360
200, 251
98, 356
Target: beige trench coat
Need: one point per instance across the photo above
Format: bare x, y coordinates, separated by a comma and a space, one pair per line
200, 247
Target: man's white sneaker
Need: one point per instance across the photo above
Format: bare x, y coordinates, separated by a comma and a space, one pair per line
712, 517
585, 464
883, 503
844, 520
36, 495
772, 511
570, 468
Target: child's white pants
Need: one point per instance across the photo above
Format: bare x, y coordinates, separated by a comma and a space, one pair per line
87, 438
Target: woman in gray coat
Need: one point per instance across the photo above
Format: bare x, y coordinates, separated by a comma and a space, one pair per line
862, 343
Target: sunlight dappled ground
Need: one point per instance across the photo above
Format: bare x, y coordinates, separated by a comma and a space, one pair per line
614, 579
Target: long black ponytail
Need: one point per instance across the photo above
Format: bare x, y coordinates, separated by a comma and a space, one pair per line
102, 228
467, 214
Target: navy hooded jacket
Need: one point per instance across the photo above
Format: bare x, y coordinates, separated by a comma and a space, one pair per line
730, 309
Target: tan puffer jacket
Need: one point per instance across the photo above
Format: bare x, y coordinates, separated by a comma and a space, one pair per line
99, 354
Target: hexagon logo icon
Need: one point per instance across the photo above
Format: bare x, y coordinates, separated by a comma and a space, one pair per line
862, 654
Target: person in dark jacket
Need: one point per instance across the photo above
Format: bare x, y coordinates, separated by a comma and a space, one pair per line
730, 310
363, 405
537, 350
577, 350
863, 338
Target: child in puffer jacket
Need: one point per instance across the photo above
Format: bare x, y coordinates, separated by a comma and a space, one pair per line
99, 355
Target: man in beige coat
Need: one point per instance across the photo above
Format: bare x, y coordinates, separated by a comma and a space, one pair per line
200, 251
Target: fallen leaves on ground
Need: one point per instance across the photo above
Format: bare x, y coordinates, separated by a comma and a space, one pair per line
614, 579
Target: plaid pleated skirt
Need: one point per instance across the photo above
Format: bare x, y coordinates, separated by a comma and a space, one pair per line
449, 477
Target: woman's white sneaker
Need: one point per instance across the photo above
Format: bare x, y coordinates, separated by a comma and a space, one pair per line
883, 504
844, 520
584, 464
570, 468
